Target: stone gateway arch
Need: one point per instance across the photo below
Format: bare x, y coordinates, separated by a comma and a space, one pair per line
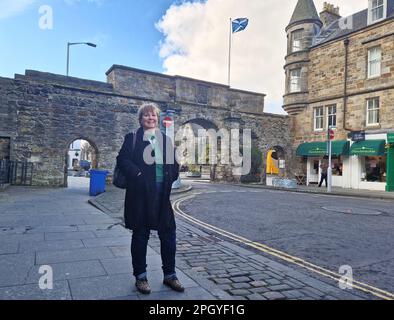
41, 113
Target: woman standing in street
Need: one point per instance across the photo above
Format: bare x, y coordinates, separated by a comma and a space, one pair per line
149, 165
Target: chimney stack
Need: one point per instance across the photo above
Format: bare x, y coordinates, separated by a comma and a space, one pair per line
329, 14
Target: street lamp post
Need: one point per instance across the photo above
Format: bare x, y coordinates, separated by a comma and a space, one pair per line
330, 137
68, 51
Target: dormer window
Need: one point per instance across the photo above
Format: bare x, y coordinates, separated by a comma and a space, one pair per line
377, 10
296, 37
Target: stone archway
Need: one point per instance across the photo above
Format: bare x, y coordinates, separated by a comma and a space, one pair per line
48, 109
256, 154
87, 152
196, 135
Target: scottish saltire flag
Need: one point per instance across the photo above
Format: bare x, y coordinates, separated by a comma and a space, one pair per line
239, 24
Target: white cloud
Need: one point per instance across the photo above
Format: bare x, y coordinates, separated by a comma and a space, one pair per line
9, 8
196, 42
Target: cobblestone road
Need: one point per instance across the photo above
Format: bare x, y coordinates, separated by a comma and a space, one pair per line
228, 270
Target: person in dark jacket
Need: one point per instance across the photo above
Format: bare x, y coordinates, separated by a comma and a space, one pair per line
324, 168
150, 168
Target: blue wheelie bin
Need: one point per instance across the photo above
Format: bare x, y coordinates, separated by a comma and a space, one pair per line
97, 182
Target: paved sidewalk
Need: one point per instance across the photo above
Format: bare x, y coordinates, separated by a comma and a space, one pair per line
89, 252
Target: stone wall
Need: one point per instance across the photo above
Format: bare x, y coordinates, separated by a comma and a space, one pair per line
44, 118
182, 90
4, 148
43, 113
142, 84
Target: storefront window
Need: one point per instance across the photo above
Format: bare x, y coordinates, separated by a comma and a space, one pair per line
375, 169
315, 167
337, 166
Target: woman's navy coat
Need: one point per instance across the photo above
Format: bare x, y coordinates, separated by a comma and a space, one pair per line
141, 190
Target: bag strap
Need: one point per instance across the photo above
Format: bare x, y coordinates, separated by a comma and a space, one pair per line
134, 140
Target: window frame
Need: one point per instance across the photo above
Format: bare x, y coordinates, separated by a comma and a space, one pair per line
202, 94
372, 9
316, 117
295, 32
374, 109
331, 115
292, 82
376, 60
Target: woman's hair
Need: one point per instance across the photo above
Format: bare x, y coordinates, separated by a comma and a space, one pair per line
148, 107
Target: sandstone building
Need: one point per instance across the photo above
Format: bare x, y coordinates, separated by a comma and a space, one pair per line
340, 75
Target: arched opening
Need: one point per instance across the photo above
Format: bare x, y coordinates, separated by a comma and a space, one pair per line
81, 156
256, 159
200, 148
275, 165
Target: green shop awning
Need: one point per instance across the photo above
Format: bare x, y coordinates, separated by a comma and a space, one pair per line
315, 149
368, 148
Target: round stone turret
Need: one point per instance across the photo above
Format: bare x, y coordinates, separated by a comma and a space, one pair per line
304, 25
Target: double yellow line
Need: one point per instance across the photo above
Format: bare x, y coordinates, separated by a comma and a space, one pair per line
279, 254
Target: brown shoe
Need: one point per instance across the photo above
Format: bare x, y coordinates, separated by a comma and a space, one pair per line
174, 284
143, 286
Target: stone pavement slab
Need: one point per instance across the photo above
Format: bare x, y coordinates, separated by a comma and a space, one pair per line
49, 257
88, 251
69, 270
60, 291
14, 268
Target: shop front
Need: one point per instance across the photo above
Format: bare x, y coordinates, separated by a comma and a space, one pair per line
369, 162
316, 153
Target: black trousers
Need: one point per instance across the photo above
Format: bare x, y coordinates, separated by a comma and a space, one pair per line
139, 243
323, 178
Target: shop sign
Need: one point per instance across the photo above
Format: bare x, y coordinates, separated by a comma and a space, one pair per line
358, 136
317, 151
364, 151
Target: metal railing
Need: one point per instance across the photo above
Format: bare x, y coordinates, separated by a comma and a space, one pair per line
16, 173
4, 172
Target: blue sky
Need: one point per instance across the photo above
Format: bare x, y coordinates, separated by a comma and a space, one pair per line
176, 37
123, 30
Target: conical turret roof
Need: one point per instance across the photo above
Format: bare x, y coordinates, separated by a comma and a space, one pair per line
305, 10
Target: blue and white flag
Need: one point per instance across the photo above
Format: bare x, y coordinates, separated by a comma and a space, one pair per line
239, 24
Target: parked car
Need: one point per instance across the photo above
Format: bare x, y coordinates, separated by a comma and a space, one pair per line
84, 164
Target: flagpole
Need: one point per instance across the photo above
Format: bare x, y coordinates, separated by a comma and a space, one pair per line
229, 52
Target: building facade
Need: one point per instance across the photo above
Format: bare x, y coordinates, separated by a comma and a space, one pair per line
340, 76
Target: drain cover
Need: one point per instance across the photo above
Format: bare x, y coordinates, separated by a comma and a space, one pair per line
352, 210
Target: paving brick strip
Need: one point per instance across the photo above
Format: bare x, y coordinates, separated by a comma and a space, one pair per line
229, 271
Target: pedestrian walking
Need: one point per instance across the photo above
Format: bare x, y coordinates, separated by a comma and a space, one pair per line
323, 169
150, 173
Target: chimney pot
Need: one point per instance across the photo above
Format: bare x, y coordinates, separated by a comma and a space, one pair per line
329, 14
